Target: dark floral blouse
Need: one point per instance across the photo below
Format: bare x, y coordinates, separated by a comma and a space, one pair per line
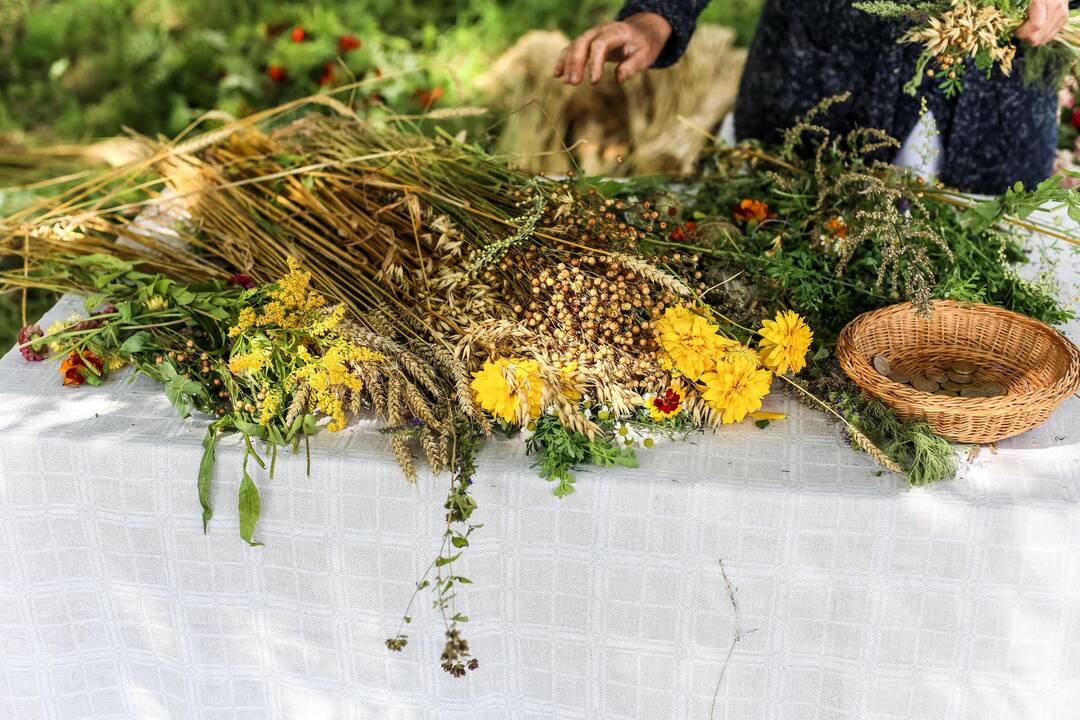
996, 132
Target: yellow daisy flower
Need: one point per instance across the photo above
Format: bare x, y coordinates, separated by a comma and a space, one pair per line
509, 389
736, 389
689, 340
785, 342
736, 350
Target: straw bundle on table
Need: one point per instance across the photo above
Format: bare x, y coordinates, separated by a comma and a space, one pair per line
612, 129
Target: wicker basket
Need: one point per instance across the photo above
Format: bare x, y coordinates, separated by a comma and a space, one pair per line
1036, 364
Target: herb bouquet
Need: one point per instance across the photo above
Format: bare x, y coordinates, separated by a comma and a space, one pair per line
317, 268
326, 268
953, 32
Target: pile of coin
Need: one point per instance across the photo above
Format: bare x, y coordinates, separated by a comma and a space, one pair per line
959, 379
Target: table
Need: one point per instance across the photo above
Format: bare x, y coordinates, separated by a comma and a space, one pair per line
858, 598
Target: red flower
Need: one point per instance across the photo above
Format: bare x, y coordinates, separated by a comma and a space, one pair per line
28, 334
347, 43
298, 34
427, 98
687, 228
755, 210
1076, 118
276, 73
667, 401
243, 280
75, 369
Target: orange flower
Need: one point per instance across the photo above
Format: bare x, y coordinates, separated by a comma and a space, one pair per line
756, 210
836, 227
75, 368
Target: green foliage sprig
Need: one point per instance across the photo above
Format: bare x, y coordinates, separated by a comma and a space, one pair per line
562, 451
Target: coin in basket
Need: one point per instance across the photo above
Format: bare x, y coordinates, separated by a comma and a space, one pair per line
993, 389
947, 393
925, 384
936, 375
963, 367
882, 365
973, 392
950, 385
959, 378
899, 377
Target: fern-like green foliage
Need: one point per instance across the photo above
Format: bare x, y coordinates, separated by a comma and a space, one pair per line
562, 451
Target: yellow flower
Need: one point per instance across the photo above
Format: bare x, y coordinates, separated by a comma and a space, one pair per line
689, 340
766, 415
56, 327
244, 320
667, 404
785, 342
250, 362
328, 323
269, 406
571, 382
509, 389
736, 389
157, 302
115, 362
734, 351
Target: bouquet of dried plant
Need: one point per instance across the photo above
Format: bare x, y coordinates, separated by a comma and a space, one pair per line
956, 32
417, 277
412, 276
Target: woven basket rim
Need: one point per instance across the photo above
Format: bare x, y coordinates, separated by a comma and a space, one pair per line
855, 365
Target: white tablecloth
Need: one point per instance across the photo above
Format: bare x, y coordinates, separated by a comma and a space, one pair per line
860, 598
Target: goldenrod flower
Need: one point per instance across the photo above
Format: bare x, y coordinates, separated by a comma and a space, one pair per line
689, 340
244, 320
736, 389
249, 362
785, 342
269, 406
667, 404
509, 389
329, 322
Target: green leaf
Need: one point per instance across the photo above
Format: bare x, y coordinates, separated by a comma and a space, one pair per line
459, 541
251, 429
446, 559
92, 301
103, 262
182, 296
126, 310
135, 343
249, 509
762, 423
206, 474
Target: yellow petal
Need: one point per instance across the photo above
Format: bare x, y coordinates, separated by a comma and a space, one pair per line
762, 415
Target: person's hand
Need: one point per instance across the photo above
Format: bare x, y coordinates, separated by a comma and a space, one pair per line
1045, 20
634, 43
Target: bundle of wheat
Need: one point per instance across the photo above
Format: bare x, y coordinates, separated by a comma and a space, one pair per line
611, 129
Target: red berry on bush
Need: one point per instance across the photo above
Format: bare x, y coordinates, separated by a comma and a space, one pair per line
298, 34
276, 73
1076, 118
327, 77
347, 43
